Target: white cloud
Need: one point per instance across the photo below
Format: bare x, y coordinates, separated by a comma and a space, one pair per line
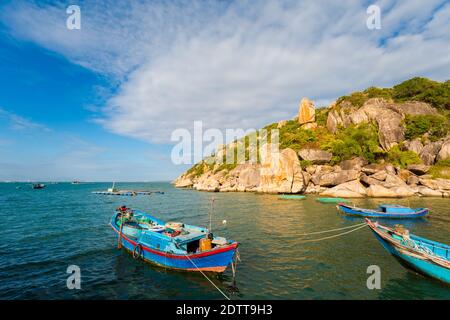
238, 65
19, 123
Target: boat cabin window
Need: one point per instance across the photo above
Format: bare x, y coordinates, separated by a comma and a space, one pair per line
193, 246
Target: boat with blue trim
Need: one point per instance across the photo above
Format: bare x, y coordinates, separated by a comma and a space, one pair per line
172, 245
422, 255
393, 211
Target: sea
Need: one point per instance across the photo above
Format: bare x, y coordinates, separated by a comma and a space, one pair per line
45, 232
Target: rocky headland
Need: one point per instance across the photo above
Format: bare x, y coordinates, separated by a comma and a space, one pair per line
381, 142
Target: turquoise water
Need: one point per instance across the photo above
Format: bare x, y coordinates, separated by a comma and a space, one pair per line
45, 231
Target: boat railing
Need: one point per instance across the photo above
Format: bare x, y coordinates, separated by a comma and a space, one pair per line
434, 246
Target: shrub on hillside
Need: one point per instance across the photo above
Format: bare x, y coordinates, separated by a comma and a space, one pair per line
436, 126
422, 89
402, 158
361, 140
441, 169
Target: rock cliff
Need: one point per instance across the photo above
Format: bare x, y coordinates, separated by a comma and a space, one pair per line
361, 145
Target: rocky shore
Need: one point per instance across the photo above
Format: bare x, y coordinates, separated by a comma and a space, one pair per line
313, 170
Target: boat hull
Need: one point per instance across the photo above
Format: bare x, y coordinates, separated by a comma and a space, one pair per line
331, 200
291, 197
412, 261
353, 211
216, 260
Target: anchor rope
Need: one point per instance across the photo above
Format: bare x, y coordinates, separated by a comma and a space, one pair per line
331, 230
208, 278
333, 236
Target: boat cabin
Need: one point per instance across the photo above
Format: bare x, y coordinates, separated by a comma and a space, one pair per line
394, 208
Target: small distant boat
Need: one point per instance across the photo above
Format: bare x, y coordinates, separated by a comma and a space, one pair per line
291, 197
172, 245
422, 255
38, 186
127, 193
331, 200
384, 211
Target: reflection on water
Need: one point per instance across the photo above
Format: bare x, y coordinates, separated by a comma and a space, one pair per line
65, 224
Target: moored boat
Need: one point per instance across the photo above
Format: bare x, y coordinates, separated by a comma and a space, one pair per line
291, 197
392, 211
422, 255
172, 245
38, 186
331, 200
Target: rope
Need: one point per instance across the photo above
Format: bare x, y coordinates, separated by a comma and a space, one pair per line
208, 278
331, 230
333, 236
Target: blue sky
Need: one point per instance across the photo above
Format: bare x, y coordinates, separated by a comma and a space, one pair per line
100, 103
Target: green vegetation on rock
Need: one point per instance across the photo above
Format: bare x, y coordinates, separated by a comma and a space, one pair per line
361, 140
422, 89
416, 89
441, 169
436, 126
402, 158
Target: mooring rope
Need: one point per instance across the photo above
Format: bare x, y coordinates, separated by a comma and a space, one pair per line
331, 230
208, 278
333, 236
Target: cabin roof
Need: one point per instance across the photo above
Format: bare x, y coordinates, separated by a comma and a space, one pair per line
391, 206
194, 234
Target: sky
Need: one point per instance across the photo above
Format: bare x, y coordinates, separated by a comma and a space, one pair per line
100, 103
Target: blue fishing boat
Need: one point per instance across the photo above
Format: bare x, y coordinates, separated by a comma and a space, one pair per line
422, 255
172, 245
384, 211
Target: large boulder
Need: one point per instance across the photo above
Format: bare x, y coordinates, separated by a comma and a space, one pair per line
412, 180
279, 170
414, 108
373, 168
414, 145
335, 178
387, 115
435, 184
248, 178
393, 181
355, 163
444, 153
183, 182
306, 112
403, 191
378, 191
427, 192
389, 122
404, 174
316, 156
419, 169
430, 152
351, 189
368, 180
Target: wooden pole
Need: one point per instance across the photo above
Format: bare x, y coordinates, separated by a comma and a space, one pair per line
119, 240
